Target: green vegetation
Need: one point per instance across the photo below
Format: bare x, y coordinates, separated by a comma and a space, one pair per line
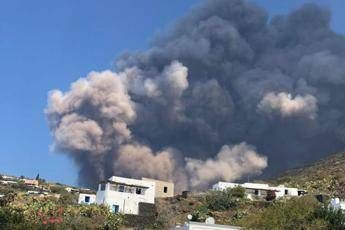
231, 207
227, 207
24, 212
298, 213
224, 200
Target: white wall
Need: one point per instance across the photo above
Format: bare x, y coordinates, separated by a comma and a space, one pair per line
203, 226
280, 190
81, 198
128, 203
224, 185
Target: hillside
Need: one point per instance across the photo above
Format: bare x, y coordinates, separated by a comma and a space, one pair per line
54, 206
326, 176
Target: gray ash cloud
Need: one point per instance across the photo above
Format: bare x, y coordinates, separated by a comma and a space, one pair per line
225, 93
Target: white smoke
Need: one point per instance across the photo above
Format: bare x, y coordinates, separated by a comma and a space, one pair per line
139, 160
80, 133
231, 163
172, 80
69, 115
286, 105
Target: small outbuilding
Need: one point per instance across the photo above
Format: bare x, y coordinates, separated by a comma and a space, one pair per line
85, 198
163, 188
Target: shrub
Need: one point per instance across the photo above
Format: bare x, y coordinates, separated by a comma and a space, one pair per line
67, 198
200, 214
224, 200
9, 216
335, 219
297, 213
113, 221
27, 212
7, 199
237, 192
57, 189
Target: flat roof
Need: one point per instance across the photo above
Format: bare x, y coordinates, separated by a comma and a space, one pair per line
162, 181
124, 184
218, 226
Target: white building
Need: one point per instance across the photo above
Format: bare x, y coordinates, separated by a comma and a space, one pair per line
336, 204
8, 182
204, 226
124, 195
85, 198
259, 190
6, 177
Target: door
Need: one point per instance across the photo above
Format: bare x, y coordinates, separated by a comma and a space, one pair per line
115, 208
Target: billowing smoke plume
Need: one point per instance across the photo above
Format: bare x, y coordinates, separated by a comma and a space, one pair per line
285, 105
226, 83
230, 164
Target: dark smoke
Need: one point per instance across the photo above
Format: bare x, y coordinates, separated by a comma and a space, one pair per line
191, 108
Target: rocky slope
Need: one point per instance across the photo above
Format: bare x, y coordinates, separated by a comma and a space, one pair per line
326, 176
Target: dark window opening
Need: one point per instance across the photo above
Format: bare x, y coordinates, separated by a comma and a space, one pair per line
286, 192
87, 199
138, 191
301, 193
113, 187
115, 208
121, 188
256, 192
165, 189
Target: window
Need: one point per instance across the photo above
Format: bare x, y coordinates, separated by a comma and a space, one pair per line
286, 192
138, 191
129, 190
113, 187
165, 189
121, 188
256, 192
87, 199
115, 208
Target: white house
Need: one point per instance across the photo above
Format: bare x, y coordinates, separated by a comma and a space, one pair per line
204, 226
259, 190
125, 195
85, 198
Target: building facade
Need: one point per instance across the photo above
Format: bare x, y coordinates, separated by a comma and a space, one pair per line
30, 182
162, 188
85, 198
256, 190
125, 195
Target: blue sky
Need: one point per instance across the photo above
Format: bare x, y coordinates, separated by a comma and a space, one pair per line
49, 44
